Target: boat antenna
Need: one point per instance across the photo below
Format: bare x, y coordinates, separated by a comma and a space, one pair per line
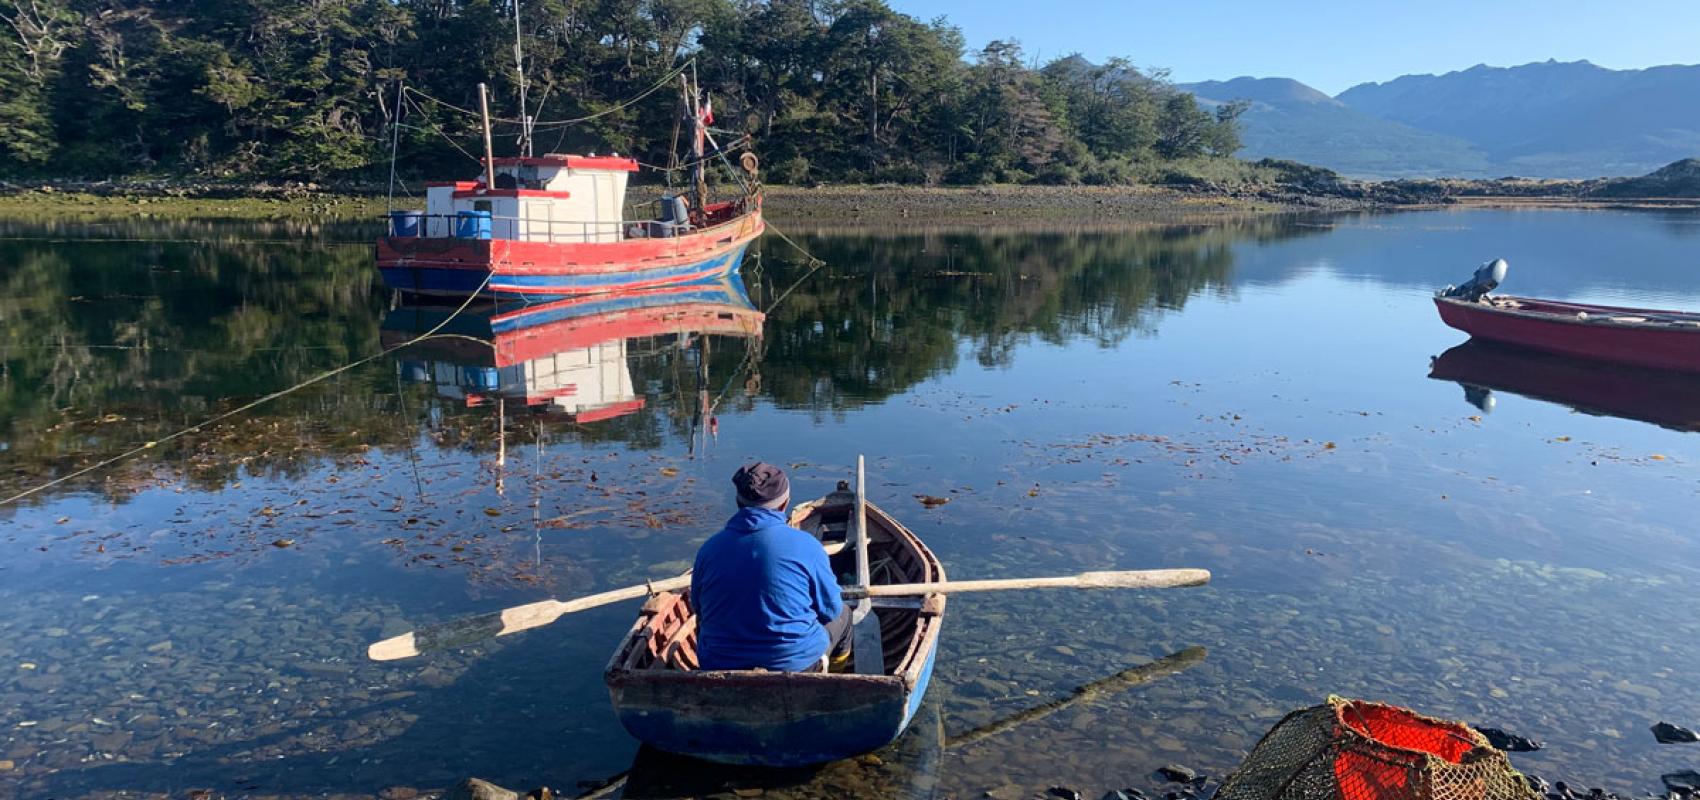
519, 66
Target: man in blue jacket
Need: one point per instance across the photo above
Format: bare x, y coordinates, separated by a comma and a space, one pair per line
764, 593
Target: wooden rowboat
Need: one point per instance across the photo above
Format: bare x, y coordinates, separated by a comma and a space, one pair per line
785, 719
1637, 336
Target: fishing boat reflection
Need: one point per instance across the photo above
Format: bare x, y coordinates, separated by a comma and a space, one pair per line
570, 357
1663, 398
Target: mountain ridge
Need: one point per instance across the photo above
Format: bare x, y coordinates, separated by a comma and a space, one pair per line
1550, 119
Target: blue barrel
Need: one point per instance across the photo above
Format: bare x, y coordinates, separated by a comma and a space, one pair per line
472, 225
405, 223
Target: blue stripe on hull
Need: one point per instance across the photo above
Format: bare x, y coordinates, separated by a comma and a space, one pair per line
717, 290
803, 741
461, 281
722, 725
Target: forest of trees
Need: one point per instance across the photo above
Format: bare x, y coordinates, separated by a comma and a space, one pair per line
832, 90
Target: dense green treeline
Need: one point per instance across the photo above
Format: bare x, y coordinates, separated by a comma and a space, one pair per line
833, 90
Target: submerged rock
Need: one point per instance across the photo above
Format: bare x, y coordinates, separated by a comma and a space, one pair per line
1685, 781
1667, 733
1509, 742
475, 789
1175, 773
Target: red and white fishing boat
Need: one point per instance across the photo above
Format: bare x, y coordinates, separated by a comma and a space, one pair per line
556, 225
1636, 336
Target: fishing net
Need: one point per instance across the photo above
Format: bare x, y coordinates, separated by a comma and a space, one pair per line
1356, 750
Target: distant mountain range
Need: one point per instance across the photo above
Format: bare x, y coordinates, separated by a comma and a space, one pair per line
1543, 120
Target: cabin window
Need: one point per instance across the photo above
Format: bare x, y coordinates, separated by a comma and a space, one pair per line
481, 205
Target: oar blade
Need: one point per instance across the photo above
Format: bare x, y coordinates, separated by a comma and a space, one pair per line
1144, 579
447, 636
395, 647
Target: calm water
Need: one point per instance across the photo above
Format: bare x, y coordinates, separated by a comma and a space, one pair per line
1252, 398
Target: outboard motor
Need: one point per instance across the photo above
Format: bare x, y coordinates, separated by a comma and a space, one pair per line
1487, 278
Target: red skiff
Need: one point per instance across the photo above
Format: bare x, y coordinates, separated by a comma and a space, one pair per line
1642, 337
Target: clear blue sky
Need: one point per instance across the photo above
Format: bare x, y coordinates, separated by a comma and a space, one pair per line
1332, 44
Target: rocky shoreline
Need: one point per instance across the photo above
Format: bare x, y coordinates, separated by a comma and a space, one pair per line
1299, 189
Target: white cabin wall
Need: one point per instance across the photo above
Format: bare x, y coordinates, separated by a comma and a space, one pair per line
439, 207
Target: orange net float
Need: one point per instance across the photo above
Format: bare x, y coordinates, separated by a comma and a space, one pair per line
1358, 750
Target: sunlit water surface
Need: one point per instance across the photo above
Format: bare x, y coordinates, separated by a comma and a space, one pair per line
1251, 398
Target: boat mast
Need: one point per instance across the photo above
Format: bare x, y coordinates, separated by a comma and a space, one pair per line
693, 107
489, 150
525, 121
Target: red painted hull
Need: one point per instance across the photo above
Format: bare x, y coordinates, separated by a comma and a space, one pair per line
1641, 337
451, 266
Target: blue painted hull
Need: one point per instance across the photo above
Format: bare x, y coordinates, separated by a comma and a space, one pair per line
769, 719
428, 279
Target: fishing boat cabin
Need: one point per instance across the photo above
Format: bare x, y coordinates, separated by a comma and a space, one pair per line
554, 198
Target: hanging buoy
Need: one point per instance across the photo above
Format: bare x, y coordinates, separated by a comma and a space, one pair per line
749, 162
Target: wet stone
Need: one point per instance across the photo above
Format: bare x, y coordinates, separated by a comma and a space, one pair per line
1509, 742
1687, 781
325, 670
1175, 773
1667, 733
1063, 793
475, 789
398, 793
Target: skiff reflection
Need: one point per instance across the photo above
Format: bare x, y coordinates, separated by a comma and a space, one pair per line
1667, 399
571, 357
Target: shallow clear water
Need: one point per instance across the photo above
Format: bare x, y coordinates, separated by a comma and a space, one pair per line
1253, 398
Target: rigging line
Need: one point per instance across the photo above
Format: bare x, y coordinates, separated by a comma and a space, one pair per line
146, 446
814, 266
555, 123
412, 455
440, 132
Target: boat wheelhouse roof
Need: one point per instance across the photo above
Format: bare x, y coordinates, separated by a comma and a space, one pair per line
616, 162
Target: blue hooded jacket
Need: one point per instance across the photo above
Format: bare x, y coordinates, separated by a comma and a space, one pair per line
763, 592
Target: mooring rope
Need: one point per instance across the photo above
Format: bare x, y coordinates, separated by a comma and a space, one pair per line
146, 446
814, 266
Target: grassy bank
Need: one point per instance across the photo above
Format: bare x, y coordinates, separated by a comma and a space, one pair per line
847, 204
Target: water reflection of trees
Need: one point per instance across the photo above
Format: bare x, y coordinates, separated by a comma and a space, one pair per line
105, 344
895, 310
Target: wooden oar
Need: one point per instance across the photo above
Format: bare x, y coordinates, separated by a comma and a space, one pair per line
471, 630
1128, 579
